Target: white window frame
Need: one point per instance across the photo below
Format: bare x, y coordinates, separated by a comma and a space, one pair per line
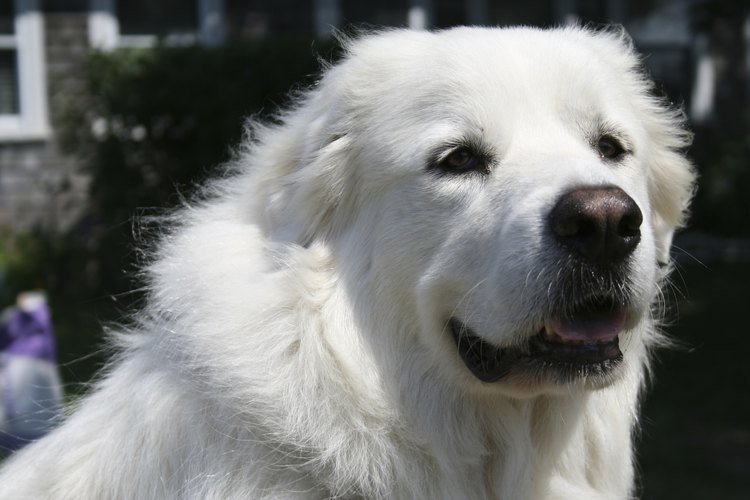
104, 28
32, 121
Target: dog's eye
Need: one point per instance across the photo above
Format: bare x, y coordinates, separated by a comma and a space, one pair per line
610, 148
462, 160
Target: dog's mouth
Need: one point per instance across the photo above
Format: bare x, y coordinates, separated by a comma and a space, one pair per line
579, 343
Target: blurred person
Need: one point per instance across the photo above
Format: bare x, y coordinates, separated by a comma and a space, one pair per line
30, 389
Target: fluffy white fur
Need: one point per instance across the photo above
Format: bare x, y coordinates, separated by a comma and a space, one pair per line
294, 343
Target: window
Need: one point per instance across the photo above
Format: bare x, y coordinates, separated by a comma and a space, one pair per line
385, 13
140, 23
146, 17
23, 93
8, 82
281, 17
8, 71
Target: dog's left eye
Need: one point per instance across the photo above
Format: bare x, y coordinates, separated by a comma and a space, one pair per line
610, 148
462, 160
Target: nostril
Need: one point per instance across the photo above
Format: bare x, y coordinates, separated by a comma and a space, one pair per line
630, 216
570, 225
630, 225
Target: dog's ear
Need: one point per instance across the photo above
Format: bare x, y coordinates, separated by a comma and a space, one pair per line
671, 186
305, 202
303, 169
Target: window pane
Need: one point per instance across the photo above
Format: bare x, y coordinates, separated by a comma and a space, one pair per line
6, 17
262, 17
384, 13
148, 17
537, 12
8, 83
66, 5
449, 13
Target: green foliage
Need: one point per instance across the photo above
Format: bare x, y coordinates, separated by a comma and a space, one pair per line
162, 117
149, 124
694, 439
156, 121
722, 203
20, 256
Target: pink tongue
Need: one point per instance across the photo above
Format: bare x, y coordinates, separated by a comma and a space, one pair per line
594, 325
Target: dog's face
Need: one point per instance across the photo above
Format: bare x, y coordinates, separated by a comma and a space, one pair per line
510, 193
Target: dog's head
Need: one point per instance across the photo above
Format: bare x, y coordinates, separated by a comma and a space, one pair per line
506, 197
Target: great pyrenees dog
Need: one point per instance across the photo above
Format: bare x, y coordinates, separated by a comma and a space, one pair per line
436, 276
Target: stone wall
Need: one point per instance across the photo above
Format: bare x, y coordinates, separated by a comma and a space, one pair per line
39, 185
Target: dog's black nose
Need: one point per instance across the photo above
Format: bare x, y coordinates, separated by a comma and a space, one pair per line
600, 224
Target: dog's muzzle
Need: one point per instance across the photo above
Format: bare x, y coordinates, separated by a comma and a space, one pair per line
588, 303
583, 342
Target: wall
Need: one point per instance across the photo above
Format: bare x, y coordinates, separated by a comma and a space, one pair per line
40, 186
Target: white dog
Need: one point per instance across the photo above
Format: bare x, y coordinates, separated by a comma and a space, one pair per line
435, 277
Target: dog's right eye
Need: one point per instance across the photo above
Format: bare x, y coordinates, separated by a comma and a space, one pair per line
610, 148
462, 160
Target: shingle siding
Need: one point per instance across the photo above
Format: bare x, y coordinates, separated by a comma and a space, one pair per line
40, 186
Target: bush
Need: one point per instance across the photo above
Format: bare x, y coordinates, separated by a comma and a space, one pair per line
156, 121
722, 205
149, 124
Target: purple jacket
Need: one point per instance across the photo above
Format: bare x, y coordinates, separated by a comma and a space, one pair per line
28, 333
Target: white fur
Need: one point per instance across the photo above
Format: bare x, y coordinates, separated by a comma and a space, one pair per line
294, 345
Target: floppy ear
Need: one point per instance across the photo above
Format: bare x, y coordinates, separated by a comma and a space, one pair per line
301, 205
300, 169
671, 185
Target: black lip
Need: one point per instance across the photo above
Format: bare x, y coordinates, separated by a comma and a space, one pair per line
538, 357
487, 362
